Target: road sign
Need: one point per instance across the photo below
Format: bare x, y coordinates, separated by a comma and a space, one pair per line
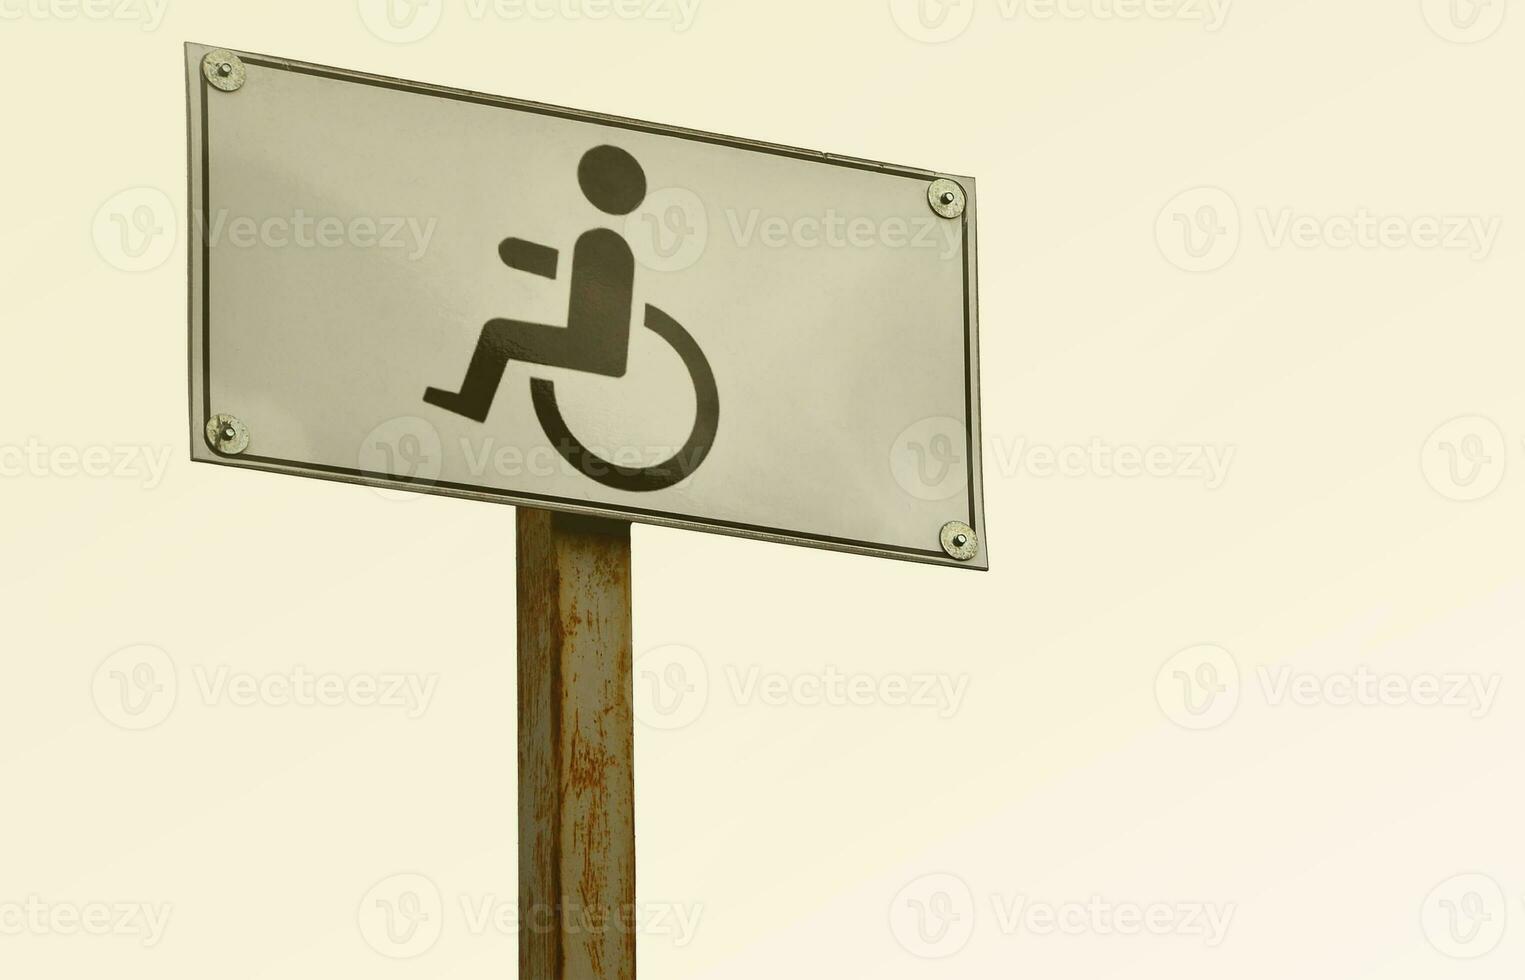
428, 289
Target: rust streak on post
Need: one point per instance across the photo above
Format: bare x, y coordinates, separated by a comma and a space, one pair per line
576, 750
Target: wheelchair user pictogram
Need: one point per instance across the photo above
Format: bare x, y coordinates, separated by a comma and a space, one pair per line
596, 338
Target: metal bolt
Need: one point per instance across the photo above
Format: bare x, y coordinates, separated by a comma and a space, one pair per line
947, 198
227, 435
224, 70
960, 541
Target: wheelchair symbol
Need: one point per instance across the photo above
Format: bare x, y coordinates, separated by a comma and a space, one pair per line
596, 338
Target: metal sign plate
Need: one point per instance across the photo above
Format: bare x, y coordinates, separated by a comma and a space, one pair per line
434, 290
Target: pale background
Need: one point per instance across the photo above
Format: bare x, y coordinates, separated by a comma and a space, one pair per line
1122, 740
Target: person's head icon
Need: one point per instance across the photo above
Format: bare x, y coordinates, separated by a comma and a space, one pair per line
612, 180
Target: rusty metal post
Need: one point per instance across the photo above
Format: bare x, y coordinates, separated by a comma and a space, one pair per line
576, 749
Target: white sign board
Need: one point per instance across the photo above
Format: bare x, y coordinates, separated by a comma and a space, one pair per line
433, 290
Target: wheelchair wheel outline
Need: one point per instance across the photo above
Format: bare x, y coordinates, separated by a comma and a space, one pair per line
665, 474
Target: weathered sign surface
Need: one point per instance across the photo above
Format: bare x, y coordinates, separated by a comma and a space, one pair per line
439, 291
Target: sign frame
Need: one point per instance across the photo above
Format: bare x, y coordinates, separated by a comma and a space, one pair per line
202, 409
